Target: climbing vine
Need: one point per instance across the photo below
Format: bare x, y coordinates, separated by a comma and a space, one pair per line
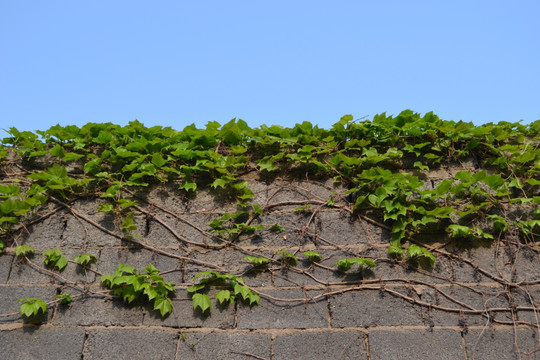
384, 165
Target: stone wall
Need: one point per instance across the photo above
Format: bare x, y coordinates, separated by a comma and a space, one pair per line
479, 301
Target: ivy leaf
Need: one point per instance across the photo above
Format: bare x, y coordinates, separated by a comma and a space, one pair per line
224, 296
312, 256
23, 250
201, 301
415, 252
164, 305
65, 298
257, 261
32, 306
85, 259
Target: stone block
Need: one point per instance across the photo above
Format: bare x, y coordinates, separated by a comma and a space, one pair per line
130, 344
220, 345
37, 343
47, 233
367, 308
417, 344
99, 312
325, 344
9, 304
273, 314
502, 343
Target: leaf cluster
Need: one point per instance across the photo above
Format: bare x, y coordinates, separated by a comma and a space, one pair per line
130, 285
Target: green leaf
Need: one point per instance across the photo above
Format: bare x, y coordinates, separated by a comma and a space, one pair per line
65, 298
164, 305
415, 252
85, 259
32, 306
460, 231
201, 301
128, 224
312, 256
287, 258
257, 261
23, 250
224, 296
158, 160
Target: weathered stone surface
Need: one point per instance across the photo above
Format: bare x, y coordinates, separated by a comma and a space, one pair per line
46, 234
508, 343
415, 344
219, 345
367, 308
130, 344
9, 304
270, 314
326, 344
96, 311
31, 342
5, 267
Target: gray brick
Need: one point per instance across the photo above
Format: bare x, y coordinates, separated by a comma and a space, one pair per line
23, 273
342, 228
417, 344
46, 234
270, 314
320, 345
190, 229
96, 311
500, 343
9, 296
42, 343
369, 308
130, 344
219, 345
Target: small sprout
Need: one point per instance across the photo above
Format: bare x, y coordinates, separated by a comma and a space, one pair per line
420, 255
345, 264
276, 228
54, 259
23, 250
257, 261
65, 298
85, 259
287, 257
312, 256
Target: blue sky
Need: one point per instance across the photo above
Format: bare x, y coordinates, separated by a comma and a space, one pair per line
174, 63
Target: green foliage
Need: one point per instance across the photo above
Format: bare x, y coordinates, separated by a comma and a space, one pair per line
420, 255
32, 306
130, 285
54, 259
312, 256
257, 261
24, 250
65, 298
276, 228
232, 286
286, 257
360, 155
85, 259
347, 263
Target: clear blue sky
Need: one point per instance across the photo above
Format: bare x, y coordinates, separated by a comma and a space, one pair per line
174, 63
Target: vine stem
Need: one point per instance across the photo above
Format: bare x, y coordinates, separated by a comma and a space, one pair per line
130, 240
